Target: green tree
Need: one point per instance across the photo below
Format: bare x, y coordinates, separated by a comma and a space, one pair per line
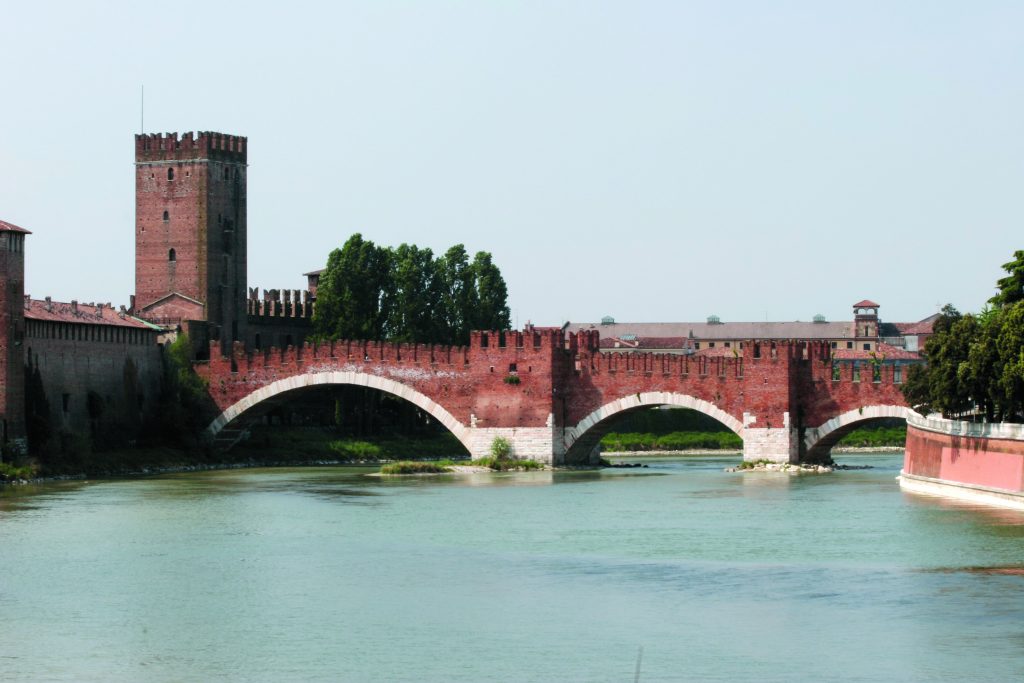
492, 309
1011, 287
413, 305
459, 296
1010, 347
353, 292
407, 295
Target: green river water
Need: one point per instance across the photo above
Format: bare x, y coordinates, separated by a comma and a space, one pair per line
327, 574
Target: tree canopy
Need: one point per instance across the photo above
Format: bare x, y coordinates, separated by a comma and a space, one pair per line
976, 362
407, 294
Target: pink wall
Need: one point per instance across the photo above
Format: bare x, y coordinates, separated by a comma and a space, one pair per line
980, 461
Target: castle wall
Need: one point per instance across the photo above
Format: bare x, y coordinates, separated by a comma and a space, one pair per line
120, 367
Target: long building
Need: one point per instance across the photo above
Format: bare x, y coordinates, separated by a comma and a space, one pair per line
865, 336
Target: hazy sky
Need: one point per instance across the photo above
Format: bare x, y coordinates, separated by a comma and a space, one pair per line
646, 160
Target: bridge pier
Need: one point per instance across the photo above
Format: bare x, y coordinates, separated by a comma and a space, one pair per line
781, 444
777, 444
542, 444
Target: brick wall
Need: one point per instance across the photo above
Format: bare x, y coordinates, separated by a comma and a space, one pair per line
124, 373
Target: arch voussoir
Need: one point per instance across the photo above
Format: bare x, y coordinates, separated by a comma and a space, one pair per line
814, 438
340, 377
649, 399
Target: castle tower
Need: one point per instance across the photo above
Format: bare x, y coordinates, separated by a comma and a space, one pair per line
12, 334
190, 231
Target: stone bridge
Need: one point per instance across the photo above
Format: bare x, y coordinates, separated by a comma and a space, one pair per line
554, 395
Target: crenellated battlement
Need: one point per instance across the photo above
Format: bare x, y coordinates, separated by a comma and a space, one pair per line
279, 303
155, 147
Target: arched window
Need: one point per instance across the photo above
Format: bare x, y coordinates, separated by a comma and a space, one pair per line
170, 174
167, 216
172, 256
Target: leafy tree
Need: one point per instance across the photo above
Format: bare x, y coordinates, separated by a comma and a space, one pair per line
492, 311
406, 294
459, 296
414, 296
1011, 287
977, 362
353, 292
1010, 346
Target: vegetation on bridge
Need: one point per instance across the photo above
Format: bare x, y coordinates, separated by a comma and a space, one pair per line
406, 294
976, 361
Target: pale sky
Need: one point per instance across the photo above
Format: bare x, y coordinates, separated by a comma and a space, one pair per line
653, 161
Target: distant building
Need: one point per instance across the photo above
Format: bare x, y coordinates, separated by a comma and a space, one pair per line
866, 336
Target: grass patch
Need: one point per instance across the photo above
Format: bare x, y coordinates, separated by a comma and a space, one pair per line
314, 443
508, 464
751, 464
673, 441
874, 437
416, 467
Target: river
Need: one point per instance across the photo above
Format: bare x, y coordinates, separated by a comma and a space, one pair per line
329, 574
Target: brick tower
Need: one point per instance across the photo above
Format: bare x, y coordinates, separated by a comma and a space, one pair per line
12, 333
190, 231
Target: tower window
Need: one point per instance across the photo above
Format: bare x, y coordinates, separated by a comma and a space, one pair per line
172, 256
167, 216
170, 174
226, 172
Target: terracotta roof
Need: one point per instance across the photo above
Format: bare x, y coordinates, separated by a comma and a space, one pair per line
314, 272
886, 351
88, 314
10, 227
867, 303
921, 327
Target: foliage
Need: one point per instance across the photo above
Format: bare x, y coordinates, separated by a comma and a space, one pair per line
868, 437
751, 464
281, 442
673, 441
352, 292
667, 420
178, 419
976, 363
405, 294
1011, 287
10, 472
414, 467
511, 379
508, 464
501, 448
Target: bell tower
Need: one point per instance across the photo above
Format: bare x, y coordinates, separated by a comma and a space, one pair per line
190, 231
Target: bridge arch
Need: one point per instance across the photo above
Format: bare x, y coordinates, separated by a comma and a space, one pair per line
818, 441
582, 439
361, 379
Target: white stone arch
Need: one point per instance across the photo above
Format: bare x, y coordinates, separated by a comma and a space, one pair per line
651, 399
814, 437
361, 379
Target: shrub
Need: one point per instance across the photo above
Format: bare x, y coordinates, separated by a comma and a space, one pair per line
501, 448
511, 379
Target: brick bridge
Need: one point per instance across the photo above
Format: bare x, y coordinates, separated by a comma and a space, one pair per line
553, 395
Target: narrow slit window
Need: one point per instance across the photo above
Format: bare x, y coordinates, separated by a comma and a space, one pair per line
172, 256
170, 174
167, 216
